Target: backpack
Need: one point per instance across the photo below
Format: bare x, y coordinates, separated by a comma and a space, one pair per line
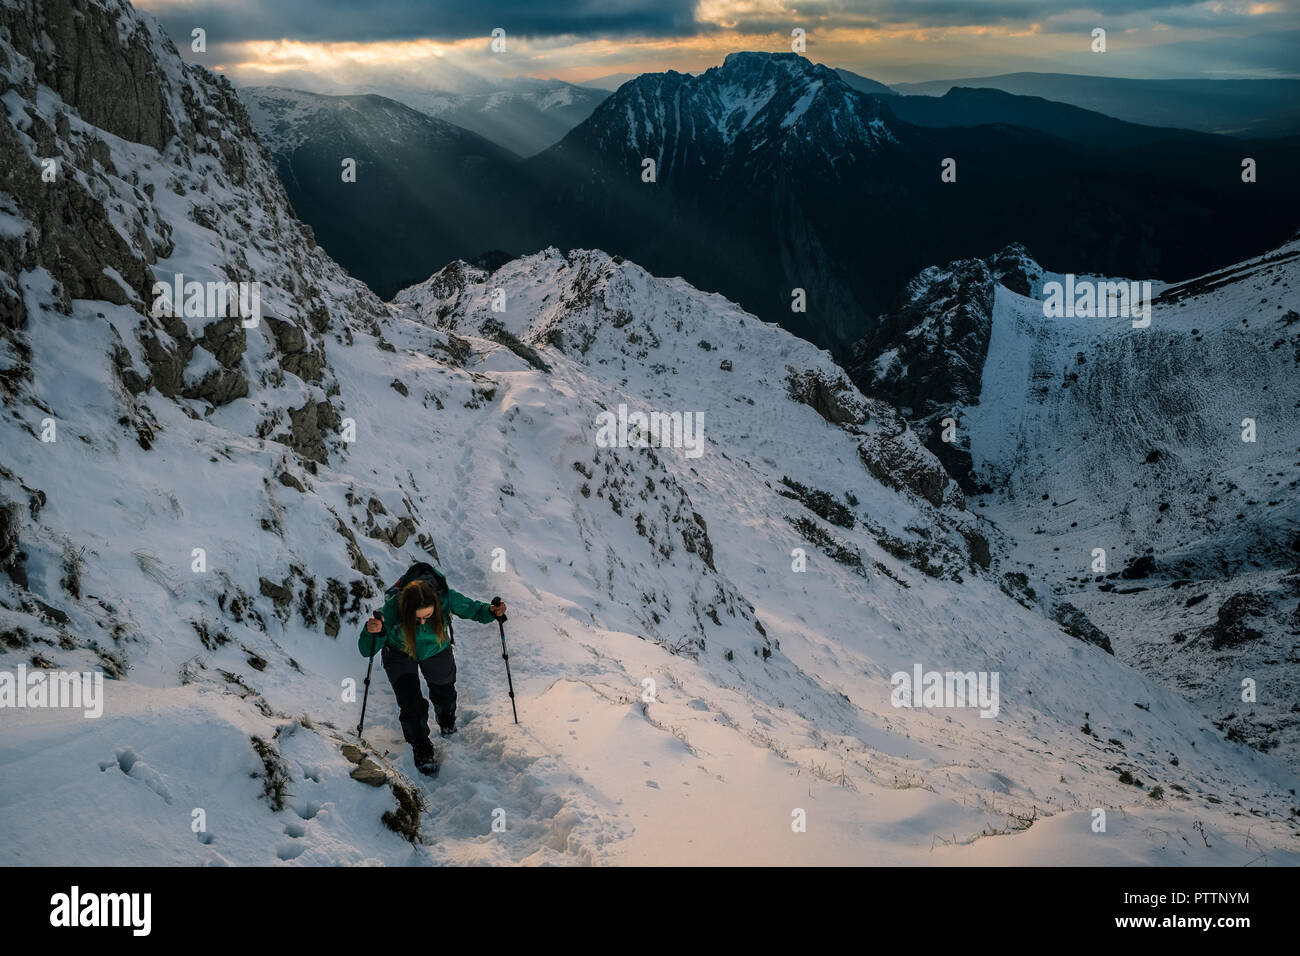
423, 571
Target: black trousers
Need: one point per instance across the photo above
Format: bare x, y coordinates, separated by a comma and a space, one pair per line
404, 674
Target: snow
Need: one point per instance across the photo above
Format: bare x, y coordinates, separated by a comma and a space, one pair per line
801, 105
771, 686
885, 362
1070, 462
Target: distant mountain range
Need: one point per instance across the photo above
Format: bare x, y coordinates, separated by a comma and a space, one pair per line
1230, 107
424, 192
774, 174
611, 82
966, 106
523, 115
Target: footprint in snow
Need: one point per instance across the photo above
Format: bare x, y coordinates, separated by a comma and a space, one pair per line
289, 851
129, 762
307, 810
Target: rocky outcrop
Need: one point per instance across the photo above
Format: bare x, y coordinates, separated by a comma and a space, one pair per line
835, 400
298, 354
10, 552
1077, 624
103, 64
900, 461
1231, 628
888, 449
926, 356
87, 211
308, 428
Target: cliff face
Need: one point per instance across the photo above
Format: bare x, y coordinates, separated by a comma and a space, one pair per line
133, 168
100, 59
927, 354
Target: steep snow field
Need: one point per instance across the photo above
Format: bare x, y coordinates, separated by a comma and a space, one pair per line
713, 768
1133, 440
685, 694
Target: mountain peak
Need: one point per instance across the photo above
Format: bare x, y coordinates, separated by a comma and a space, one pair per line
749, 58
759, 63
750, 103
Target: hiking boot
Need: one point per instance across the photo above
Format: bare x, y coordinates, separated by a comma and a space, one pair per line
426, 758
446, 720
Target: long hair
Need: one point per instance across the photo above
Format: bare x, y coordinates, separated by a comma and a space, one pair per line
414, 596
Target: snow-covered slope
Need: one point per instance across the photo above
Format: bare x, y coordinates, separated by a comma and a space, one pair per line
1136, 440
313, 456
286, 119
1088, 433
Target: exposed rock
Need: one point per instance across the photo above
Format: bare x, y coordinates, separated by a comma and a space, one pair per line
219, 387
1140, 568
278, 593
834, 400
53, 613
307, 429
10, 552
359, 562
1077, 624
979, 547
289, 481
399, 532
695, 538
1231, 628
298, 356
226, 340
366, 770
90, 67
927, 355
899, 461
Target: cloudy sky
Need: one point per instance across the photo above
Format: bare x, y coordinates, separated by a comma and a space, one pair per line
342, 44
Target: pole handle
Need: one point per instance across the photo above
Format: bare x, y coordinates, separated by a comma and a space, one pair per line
495, 601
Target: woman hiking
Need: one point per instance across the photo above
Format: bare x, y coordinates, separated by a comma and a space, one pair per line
414, 630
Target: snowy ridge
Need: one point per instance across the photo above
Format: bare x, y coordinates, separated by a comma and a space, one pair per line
285, 118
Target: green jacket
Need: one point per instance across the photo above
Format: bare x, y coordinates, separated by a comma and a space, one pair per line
426, 638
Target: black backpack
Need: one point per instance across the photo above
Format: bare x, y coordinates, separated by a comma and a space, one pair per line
423, 571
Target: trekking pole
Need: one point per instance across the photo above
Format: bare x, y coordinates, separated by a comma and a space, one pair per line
505, 656
366, 695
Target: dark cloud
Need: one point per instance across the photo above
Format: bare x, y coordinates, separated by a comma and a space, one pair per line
234, 21
877, 14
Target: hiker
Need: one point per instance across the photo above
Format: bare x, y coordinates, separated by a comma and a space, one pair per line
414, 630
